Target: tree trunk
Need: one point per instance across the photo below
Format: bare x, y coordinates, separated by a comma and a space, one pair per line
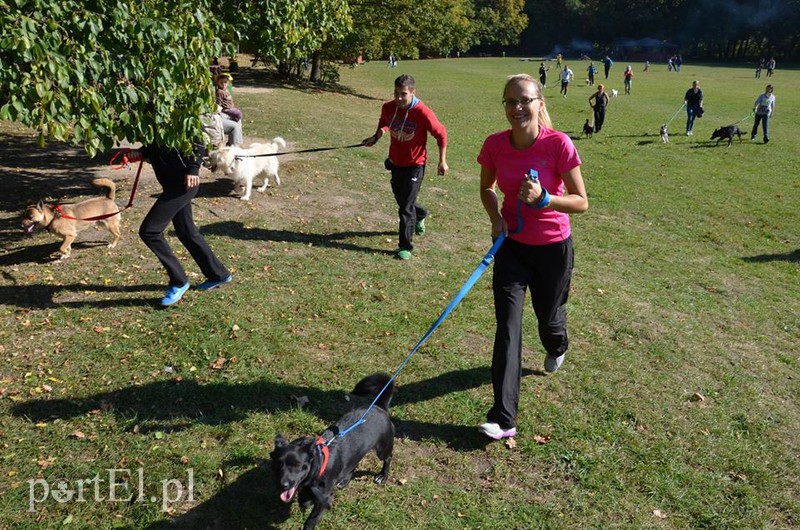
316, 68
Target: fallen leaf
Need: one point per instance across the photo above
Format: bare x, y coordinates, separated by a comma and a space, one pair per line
78, 434
511, 443
217, 365
659, 514
184, 460
541, 440
698, 397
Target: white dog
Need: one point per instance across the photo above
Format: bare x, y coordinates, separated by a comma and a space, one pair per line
614, 92
244, 164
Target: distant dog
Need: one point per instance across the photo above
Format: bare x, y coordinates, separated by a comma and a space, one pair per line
614, 92
664, 134
588, 129
310, 469
66, 220
240, 164
729, 131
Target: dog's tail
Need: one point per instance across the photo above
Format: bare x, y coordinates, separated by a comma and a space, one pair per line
372, 384
280, 141
108, 183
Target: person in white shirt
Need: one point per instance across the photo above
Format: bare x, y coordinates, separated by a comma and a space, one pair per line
566, 77
763, 108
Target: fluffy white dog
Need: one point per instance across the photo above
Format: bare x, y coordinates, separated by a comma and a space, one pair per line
243, 165
614, 92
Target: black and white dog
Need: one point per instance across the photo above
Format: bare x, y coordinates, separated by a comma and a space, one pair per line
310, 467
664, 134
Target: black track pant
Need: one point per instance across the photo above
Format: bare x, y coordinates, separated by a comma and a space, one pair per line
175, 205
546, 270
406, 183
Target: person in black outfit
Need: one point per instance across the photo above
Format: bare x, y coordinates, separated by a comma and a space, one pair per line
600, 99
179, 177
694, 105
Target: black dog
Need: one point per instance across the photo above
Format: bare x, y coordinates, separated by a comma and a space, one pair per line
727, 132
588, 129
311, 469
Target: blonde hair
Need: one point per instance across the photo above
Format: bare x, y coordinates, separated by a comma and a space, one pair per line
544, 117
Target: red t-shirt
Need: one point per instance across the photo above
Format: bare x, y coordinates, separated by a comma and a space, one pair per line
409, 130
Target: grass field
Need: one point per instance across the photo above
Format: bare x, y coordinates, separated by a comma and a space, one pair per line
677, 407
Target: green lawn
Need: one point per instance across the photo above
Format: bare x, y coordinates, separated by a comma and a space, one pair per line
677, 406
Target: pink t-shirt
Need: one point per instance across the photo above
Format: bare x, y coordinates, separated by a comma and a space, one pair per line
552, 154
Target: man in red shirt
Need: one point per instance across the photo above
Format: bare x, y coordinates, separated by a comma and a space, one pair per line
408, 120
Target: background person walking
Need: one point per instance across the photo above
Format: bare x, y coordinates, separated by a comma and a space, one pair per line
763, 107
694, 105
566, 77
599, 101
627, 79
607, 62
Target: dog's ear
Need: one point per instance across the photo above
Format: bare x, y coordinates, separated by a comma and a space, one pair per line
280, 441
40, 204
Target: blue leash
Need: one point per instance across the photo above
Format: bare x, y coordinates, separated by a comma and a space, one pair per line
482, 266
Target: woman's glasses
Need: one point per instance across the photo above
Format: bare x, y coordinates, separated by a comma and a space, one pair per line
513, 103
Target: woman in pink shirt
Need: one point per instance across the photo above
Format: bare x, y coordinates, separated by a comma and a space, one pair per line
537, 254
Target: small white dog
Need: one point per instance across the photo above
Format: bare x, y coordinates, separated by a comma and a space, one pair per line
664, 134
243, 165
614, 92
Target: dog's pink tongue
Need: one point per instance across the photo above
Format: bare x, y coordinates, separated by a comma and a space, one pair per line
29, 229
287, 495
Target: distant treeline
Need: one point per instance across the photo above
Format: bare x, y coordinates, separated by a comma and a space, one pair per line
710, 29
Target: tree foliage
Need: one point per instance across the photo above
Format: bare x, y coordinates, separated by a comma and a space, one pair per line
93, 72
290, 30
499, 21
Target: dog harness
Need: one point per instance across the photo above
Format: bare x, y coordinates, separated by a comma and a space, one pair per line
324, 453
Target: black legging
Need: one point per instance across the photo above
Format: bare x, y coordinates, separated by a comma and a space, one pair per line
599, 117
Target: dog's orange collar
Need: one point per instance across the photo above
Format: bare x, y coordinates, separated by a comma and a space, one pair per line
324, 453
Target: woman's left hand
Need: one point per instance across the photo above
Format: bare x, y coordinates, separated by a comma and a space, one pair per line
192, 181
529, 191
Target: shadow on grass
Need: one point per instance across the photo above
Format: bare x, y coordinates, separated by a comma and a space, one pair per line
251, 501
261, 78
337, 240
42, 296
31, 173
177, 405
791, 257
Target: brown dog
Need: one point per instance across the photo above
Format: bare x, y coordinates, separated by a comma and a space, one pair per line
66, 220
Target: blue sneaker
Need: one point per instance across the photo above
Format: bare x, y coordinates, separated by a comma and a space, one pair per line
174, 294
211, 284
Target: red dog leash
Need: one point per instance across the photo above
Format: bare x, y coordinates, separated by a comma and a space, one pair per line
124, 163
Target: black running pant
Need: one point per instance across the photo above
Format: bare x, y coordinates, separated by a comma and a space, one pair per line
546, 270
